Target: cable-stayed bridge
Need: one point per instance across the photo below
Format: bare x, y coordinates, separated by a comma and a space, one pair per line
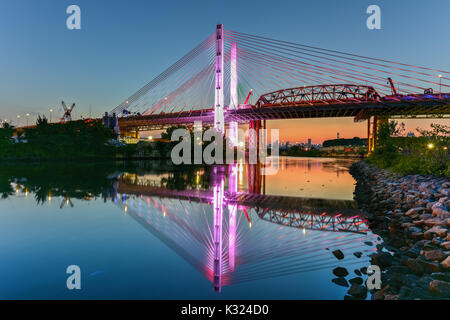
233, 77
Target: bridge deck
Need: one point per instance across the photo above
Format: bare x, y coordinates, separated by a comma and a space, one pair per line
404, 106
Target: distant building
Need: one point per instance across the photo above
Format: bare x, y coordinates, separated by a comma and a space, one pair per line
410, 134
356, 141
343, 145
111, 122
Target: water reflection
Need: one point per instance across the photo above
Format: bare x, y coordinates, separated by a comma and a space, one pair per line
225, 234
231, 223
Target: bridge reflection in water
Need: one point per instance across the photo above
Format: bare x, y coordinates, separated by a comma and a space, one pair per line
231, 236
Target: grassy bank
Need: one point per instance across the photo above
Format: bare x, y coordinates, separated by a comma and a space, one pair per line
426, 154
58, 140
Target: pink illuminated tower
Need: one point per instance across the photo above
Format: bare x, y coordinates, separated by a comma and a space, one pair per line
233, 129
218, 97
218, 194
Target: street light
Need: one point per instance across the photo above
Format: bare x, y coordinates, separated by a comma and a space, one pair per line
51, 110
28, 115
440, 85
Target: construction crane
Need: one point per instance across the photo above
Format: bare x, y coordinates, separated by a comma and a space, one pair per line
391, 83
67, 116
65, 201
248, 96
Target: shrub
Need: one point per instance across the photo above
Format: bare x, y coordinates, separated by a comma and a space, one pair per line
426, 154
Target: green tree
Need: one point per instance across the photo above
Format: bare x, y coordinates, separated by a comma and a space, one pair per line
60, 140
6, 133
386, 148
41, 121
425, 154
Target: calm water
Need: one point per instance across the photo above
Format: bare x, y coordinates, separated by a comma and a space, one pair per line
148, 230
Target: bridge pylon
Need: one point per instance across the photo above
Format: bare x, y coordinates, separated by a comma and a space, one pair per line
233, 126
219, 121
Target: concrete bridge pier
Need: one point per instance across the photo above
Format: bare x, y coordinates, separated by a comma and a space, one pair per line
254, 140
233, 172
372, 131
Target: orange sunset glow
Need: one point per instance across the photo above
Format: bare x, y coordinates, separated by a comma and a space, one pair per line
327, 128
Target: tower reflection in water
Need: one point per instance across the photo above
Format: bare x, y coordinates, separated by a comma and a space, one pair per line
233, 236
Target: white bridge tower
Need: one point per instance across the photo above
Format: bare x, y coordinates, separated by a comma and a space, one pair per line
219, 121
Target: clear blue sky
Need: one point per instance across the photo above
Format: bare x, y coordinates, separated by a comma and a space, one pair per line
123, 44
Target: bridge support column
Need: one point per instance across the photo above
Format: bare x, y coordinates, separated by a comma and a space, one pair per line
368, 135
232, 215
255, 179
254, 127
374, 132
218, 97
372, 136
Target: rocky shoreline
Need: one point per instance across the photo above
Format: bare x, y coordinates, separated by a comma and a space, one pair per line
410, 213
